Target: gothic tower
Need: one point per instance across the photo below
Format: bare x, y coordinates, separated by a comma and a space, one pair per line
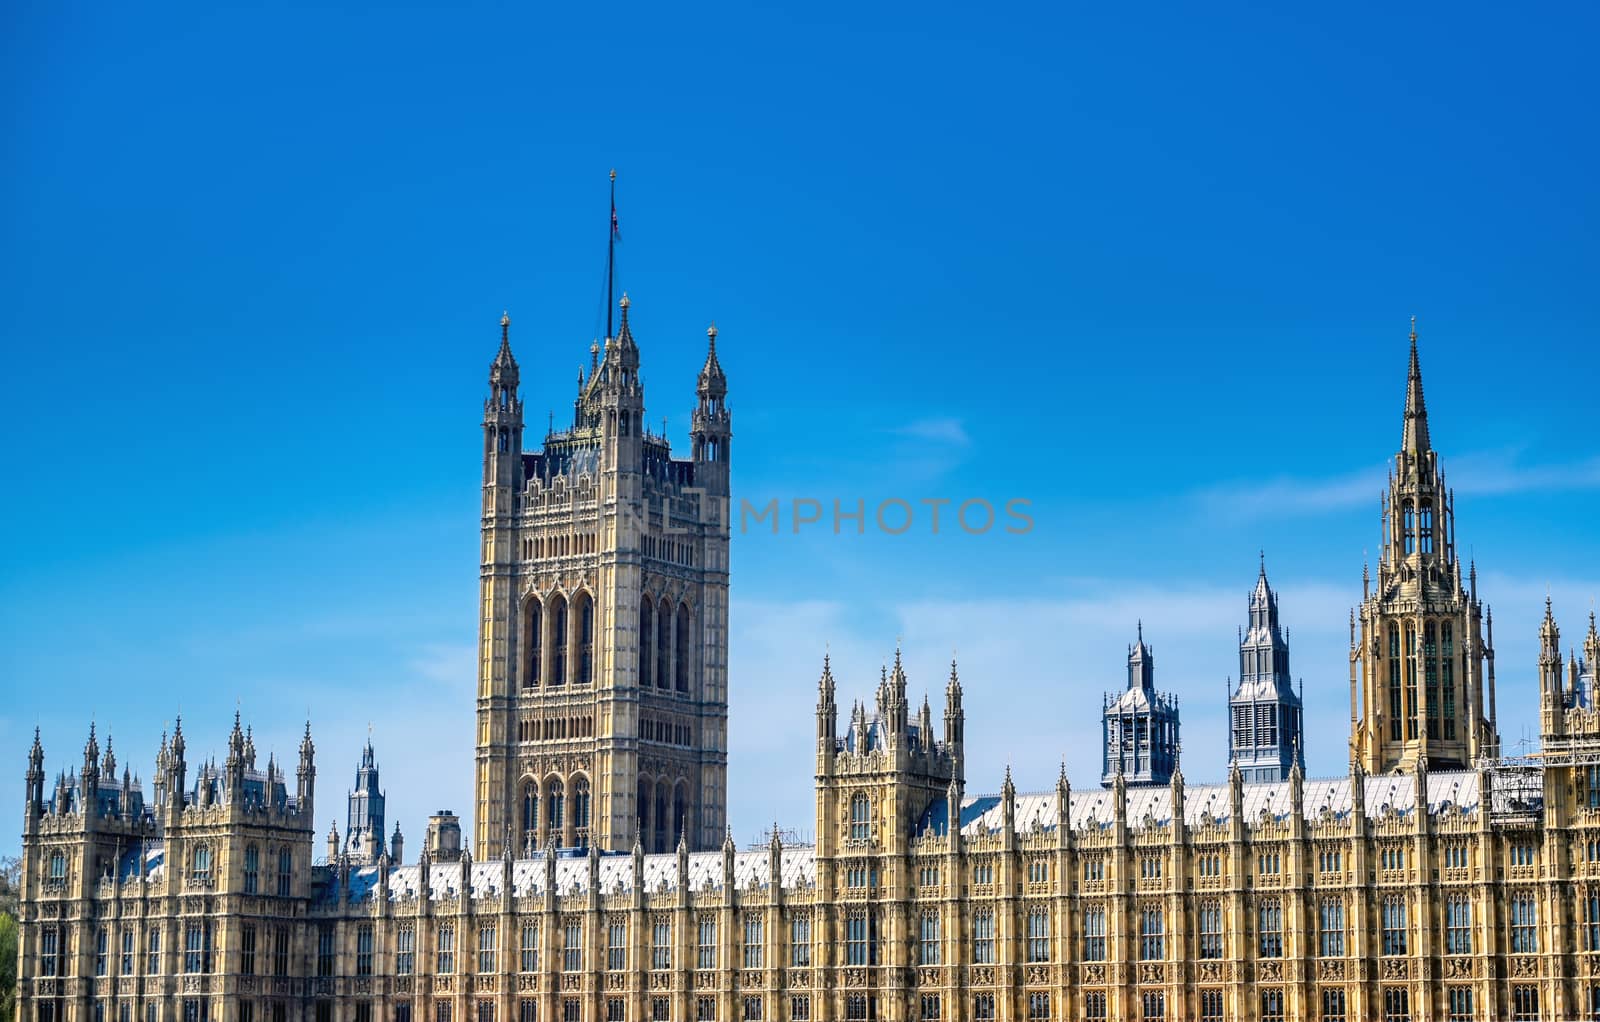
1417, 669
1265, 734
602, 700
364, 819
1140, 725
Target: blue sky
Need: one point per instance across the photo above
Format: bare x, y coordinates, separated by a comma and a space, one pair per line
1151, 271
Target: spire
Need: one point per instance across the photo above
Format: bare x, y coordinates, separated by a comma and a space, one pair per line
611, 259
713, 382
1414, 439
503, 370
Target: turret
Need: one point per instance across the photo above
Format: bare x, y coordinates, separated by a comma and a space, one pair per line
306, 777
827, 709
955, 723
89, 779
397, 848
1549, 655
234, 765
333, 841
177, 773
711, 426
35, 780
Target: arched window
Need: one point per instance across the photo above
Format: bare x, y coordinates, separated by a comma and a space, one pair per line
530, 815
580, 811
1395, 710
252, 869
860, 818
285, 872
200, 864
584, 605
558, 638
1447, 678
557, 801
646, 795
680, 812
58, 866
647, 633
1411, 680
664, 646
661, 816
682, 648
1426, 524
1430, 670
1408, 524
533, 639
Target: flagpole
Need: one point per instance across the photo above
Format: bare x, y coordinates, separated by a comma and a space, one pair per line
611, 254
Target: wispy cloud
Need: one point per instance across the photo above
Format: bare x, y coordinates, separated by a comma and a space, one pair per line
949, 431
1484, 473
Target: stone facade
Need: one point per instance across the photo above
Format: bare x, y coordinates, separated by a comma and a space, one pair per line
1407, 893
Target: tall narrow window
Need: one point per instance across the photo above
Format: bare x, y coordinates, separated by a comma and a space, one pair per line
580, 810
530, 815
285, 872
405, 951
1447, 678
860, 818
1409, 527
1152, 934
1411, 681
754, 951
364, 950
1430, 671
664, 646
1269, 916
661, 945
585, 639
486, 947
647, 634
1038, 935
1211, 929
855, 937
1524, 925
1458, 925
530, 947
247, 950
533, 639
1396, 711
1425, 527
706, 948
1330, 928
557, 803
928, 938
1393, 919
252, 868
681, 648
445, 949
1094, 935
984, 936
558, 639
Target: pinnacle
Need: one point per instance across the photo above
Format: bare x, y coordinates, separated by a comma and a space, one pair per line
1414, 438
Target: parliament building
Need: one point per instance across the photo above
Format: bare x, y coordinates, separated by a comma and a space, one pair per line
598, 882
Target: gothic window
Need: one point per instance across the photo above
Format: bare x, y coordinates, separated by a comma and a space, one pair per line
572, 947
533, 638
1447, 677
530, 814
860, 818
558, 634
1038, 935
1094, 935
252, 868
58, 866
1411, 681
753, 948
647, 632
364, 950
661, 816
1408, 526
1591, 920
584, 605
982, 937
645, 796
152, 950
1211, 929
706, 950
661, 945
1524, 925
800, 942
681, 649
1152, 934
530, 947
580, 810
285, 872
486, 948
1458, 925
200, 864
664, 647
1333, 1005
1393, 919
1330, 928
1426, 524
556, 808
1430, 671
928, 938
1269, 916
1395, 711
680, 812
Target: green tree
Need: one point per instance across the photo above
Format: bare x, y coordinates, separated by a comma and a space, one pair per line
8, 967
